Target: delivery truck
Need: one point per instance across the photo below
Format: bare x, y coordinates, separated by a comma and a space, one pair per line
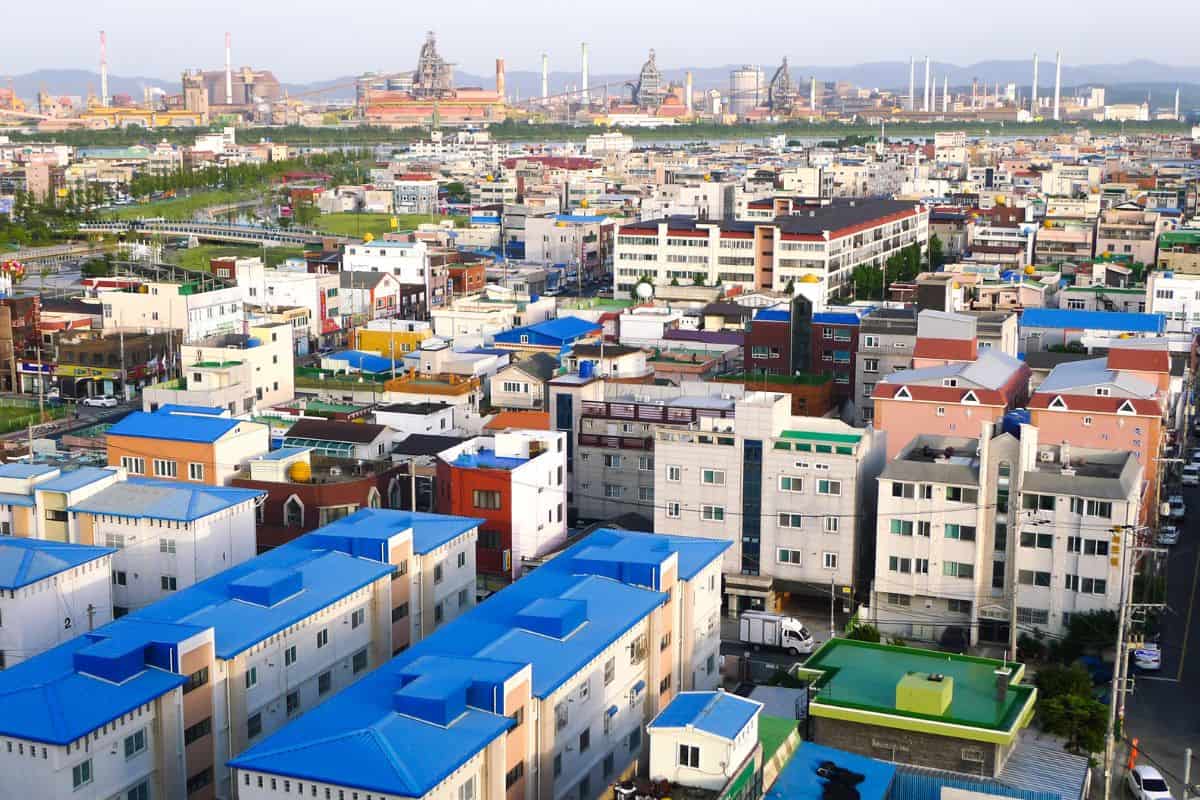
764, 629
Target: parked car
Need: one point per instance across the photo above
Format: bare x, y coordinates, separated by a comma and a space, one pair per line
1191, 475
100, 401
1148, 657
1168, 535
1146, 783
1176, 509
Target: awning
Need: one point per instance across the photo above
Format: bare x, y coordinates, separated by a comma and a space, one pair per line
612, 711
639, 687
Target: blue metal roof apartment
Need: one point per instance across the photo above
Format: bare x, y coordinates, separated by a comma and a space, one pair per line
417, 719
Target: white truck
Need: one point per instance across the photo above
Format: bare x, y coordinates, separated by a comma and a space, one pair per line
764, 629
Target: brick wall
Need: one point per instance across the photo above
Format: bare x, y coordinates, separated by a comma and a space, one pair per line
910, 747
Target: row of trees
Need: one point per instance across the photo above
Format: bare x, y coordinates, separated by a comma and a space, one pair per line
341, 164
904, 265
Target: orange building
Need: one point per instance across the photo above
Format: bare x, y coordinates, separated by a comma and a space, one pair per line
186, 443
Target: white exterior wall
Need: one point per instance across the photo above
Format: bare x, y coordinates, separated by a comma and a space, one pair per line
454, 593
691, 459
203, 548
198, 315
454, 322
408, 261
262, 786
719, 757
436, 422
1177, 298
234, 450
54, 610
539, 501
699, 624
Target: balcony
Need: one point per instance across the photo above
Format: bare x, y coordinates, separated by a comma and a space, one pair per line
616, 442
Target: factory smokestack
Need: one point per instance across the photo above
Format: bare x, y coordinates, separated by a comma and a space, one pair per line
500, 87
925, 107
1033, 104
1177, 117
583, 95
103, 69
228, 70
912, 84
945, 94
687, 94
1057, 81
545, 77
812, 93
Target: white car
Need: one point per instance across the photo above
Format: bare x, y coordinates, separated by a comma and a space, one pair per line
1191, 475
1177, 508
1168, 534
1146, 783
1148, 657
100, 401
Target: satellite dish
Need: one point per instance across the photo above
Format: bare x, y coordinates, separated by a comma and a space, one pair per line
644, 290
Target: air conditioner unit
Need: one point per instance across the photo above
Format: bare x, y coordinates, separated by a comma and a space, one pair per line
335, 471
1046, 455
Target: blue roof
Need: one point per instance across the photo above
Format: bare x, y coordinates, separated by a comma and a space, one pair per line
147, 498
26, 561
841, 317
1093, 320
281, 453
798, 780
24, 471
75, 479
430, 531
176, 408
174, 427
14, 499
552, 332
578, 218
773, 315
406, 726
486, 458
718, 713
362, 360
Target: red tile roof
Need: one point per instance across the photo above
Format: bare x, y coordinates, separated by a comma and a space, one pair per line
1095, 403
1135, 358
947, 349
522, 420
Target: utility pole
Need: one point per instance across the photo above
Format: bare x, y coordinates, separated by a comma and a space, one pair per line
832, 601
41, 385
1187, 771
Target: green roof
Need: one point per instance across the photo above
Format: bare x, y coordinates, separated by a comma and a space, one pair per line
863, 676
1106, 290
773, 732
1169, 238
813, 436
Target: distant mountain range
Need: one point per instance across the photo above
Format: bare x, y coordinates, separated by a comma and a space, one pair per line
1126, 80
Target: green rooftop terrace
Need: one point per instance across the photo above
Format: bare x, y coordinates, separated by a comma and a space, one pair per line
858, 681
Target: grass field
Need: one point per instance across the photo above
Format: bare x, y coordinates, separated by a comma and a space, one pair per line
351, 224
16, 417
182, 208
197, 258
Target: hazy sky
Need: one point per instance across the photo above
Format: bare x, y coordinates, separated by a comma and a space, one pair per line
303, 40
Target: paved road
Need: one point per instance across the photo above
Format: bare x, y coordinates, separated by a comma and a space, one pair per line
1164, 711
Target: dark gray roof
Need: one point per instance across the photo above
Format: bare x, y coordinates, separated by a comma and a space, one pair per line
539, 365
1046, 359
361, 279
1104, 474
924, 460
330, 430
414, 408
425, 444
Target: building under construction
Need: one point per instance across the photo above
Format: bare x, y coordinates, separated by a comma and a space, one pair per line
427, 95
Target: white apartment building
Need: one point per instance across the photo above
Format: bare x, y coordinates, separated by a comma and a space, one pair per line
154, 704
608, 143
286, 288
793, 495
50, 592
1176, 296
823, 243
973, 530
188, 307
622, 622
494, 190
408, 261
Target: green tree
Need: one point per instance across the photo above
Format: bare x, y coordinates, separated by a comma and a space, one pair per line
1077, 718
1056, 680
868, 282
698, 279
864, 633
937, 254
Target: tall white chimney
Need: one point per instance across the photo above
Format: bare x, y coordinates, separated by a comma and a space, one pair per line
228, 71
1033, 102
912, 84
1057, 81
945, 94
687, 92
545, 77
103, 69
925, 107
583, 95
812, 93
1177, 117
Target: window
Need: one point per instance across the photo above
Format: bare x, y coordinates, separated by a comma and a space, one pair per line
610, 671
921, 566
168, 583
81, 774
462, 598
870, 340
360, 661
613, 461
898, 564
135, 743
1044, 541
195, 471
1032, 616
646, 463
585, 740
870, 365
905, 490
166, 546
959, 494
1029, 577
557, 764
293, 513
902, 527
289, 656
791, 520
613, 490
293, 702
196, 680
199, 780
831, 525
134, 466
689, 756
1098, 508
674, 473
713, 477
166, 468
672, 510
925, 491
251, 677
898, 599
964, 533
785, 556
959, 606
954, 569
514, 775
324, 682
198, 731
1038, 502
789, 484
830, 560
712, 513
924, 528
322, 637
828, 487
645, 494
485, 499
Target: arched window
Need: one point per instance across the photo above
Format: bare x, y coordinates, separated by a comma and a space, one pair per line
293, 512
